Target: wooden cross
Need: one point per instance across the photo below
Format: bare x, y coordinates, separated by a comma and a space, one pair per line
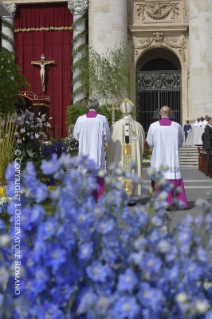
42, 64
113, 109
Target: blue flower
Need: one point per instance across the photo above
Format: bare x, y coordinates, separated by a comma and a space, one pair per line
125, 307
127, 281
87, 301
55, 256
85, 251
50, 167
50, 310
208, 315
97, 271
150, 297
140, 243
151, 264
104, 225
48, 228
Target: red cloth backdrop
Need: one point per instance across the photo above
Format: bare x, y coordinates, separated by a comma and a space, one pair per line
55, 45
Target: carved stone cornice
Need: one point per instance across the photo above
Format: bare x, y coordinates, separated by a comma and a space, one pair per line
157, 11
158, 39
12, 8
78, 6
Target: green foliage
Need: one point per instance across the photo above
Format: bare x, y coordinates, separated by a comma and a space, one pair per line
109, 77
11, 81
74, 111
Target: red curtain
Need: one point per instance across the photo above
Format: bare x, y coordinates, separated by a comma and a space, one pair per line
55, 44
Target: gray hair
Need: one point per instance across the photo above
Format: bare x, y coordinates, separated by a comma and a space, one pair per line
93, 104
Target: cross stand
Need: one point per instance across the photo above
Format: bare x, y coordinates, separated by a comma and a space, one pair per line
113, 109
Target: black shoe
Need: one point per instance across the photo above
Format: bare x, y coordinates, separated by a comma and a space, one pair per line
131, 203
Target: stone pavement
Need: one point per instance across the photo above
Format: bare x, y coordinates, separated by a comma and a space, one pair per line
196, 185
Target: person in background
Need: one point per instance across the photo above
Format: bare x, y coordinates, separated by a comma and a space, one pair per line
207, 145
186, 129
201, 124
92, 131
205, 121
196, 124
165, 137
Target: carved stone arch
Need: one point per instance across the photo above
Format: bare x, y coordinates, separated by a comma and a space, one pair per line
152, 53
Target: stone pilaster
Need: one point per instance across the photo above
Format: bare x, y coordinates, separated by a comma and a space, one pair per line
8, 29
200, 35
78, 8
107, 24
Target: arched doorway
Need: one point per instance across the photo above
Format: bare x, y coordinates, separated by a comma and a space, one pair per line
158, 84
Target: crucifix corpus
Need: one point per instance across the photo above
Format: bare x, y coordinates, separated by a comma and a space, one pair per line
113, 109
42, 64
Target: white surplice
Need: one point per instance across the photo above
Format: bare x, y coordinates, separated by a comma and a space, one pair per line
165, 142
196, 124
92, 133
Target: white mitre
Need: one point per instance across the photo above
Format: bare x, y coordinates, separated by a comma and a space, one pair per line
127, 107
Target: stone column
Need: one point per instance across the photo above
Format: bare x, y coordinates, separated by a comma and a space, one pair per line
200, 36
78, 8
7, 31
107, 24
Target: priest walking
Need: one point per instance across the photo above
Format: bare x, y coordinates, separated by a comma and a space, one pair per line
165, 137
126, 146
92, 131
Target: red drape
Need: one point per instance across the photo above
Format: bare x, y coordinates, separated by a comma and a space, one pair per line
55, 45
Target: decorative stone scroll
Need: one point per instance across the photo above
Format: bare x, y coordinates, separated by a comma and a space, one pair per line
12, 8
77, 6
159, 39
157, 11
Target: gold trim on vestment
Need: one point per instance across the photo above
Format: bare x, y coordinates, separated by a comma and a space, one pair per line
127, 150
43, 29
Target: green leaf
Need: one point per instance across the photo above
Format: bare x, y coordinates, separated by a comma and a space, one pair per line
30, 153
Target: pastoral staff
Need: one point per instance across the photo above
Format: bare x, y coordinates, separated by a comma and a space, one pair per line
92, 131
165, 137
126, 146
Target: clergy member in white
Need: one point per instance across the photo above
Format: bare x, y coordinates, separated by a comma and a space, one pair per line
165, 137
197, 123
126, 146
92, 131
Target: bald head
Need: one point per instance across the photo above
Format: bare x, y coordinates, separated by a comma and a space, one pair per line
165, 111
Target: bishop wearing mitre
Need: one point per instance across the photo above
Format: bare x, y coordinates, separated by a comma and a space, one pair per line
126, 146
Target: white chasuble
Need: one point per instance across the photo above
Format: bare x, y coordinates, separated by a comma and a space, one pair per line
92, 133
165, 142
123, 153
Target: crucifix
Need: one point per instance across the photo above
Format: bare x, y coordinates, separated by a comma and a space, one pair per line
113, 109
42, 64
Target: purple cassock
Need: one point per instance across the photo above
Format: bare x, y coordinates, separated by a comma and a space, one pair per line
165, 121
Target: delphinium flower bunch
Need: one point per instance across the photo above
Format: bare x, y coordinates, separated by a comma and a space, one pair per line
29, 134
73, 144
105, 259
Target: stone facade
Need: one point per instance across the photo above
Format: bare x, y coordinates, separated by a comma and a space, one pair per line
107, 24
200, 37
149, 25
162, 25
